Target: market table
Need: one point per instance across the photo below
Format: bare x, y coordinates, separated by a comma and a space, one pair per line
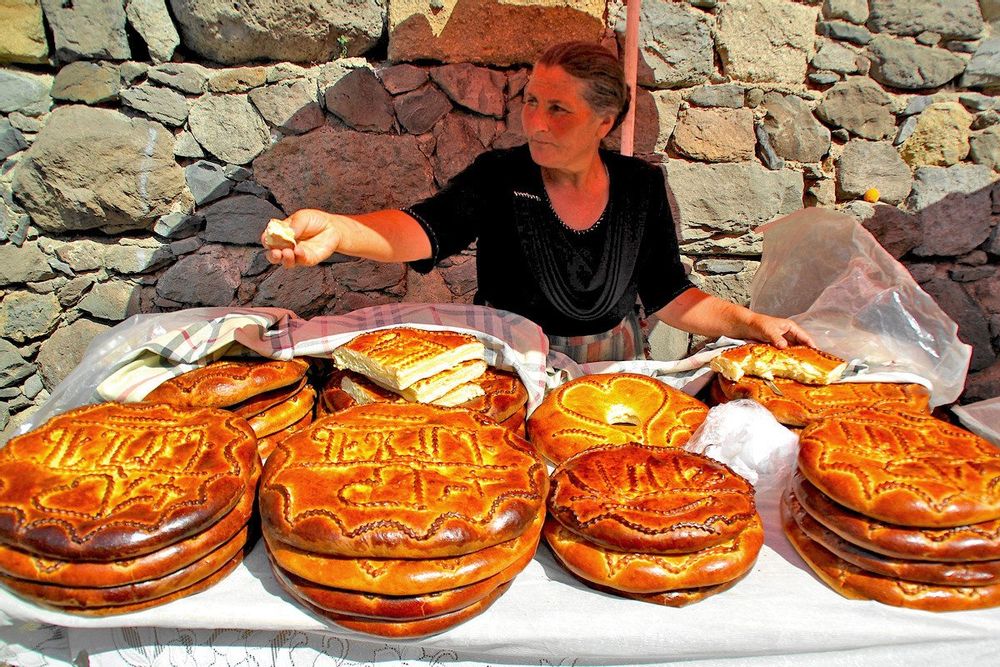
779, 614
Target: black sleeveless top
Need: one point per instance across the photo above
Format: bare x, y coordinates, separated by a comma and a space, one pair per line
571, 283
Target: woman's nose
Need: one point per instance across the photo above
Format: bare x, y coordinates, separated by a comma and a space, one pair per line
532, 121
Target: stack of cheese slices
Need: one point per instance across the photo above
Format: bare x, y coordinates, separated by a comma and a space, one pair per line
403, 364
273, 396
658, 524
795, 384
898, 507
401, 519
112, 508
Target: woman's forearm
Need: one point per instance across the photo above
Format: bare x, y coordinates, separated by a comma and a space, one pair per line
389, 235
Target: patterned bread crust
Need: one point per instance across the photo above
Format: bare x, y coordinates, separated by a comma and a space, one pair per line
975, 542
612, 408
403, 576
227, 382
505, 394
402, 355
647, 499
332, 398
651, 573
398, 607
113, 481
516, 422
799, 404
856, 584
681, 597
69, 596
928, 572
267, 444
261, 402
796, 362
411, 480
902, 468
22, 565
285, 414
130, 608
408, 629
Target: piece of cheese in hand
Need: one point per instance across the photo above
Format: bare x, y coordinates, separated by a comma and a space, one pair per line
278, 234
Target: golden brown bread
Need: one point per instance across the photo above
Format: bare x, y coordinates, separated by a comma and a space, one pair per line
390, 480
332, 398
929, 572
903, 468
285, 414
796, 362
651, 573
516, 422
645, 499
612, 408
975, 542
504, 395
261, 402
399, 356
398, 607
408, 629
403, 576
129, 608
23, 565
681, 597
113, 481
79, 597
228, 382
856, 584
799, 404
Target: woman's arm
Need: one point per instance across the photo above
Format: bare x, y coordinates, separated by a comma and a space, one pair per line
696, 312
389, 235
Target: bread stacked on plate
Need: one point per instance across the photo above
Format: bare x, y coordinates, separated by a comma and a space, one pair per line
899, 508
404, 364
401, 519
273, 396
612, 408
795, 384
658, 524
114, 508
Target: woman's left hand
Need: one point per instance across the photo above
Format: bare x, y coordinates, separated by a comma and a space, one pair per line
778, 331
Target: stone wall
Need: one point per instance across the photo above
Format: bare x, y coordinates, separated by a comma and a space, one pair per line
145, 144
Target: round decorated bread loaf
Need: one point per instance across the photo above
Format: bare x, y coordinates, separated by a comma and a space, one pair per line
404, 480
228, 382
612, 408
647, 499
902, 468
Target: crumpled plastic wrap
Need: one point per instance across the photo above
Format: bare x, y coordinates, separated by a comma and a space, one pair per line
745, 436
982, 418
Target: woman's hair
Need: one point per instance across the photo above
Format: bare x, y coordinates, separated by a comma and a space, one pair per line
605, 90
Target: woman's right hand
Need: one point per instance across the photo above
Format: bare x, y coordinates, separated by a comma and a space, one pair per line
317, 236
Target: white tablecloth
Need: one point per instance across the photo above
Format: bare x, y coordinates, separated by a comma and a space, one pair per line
779, 614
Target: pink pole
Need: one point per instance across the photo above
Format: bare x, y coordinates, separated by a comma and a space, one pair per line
631, 66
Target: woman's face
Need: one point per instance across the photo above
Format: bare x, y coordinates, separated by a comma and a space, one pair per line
563, 131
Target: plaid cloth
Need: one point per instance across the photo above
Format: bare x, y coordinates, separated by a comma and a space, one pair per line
624, 342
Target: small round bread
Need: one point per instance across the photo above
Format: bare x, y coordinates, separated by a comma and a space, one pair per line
928, 572
398, 607
261, 402
23, 565
612, 408
903, 468
681, 597
975, 542
408, 629
71, 596
799, 404
639, 498
131, 607
404, 576
401, 480
228, 382
652, 573
332, 398
285, 414
855, 583
504, 394
113, 481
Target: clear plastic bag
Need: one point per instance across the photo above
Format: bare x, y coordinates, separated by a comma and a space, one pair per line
982, 418
828, 273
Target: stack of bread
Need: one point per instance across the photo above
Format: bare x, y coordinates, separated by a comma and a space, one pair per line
401, 519
795, 384
899, 508
112, 508
612, 408
273, 396
657, 524
404, 364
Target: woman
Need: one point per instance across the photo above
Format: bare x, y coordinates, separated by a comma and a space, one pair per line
568, 235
